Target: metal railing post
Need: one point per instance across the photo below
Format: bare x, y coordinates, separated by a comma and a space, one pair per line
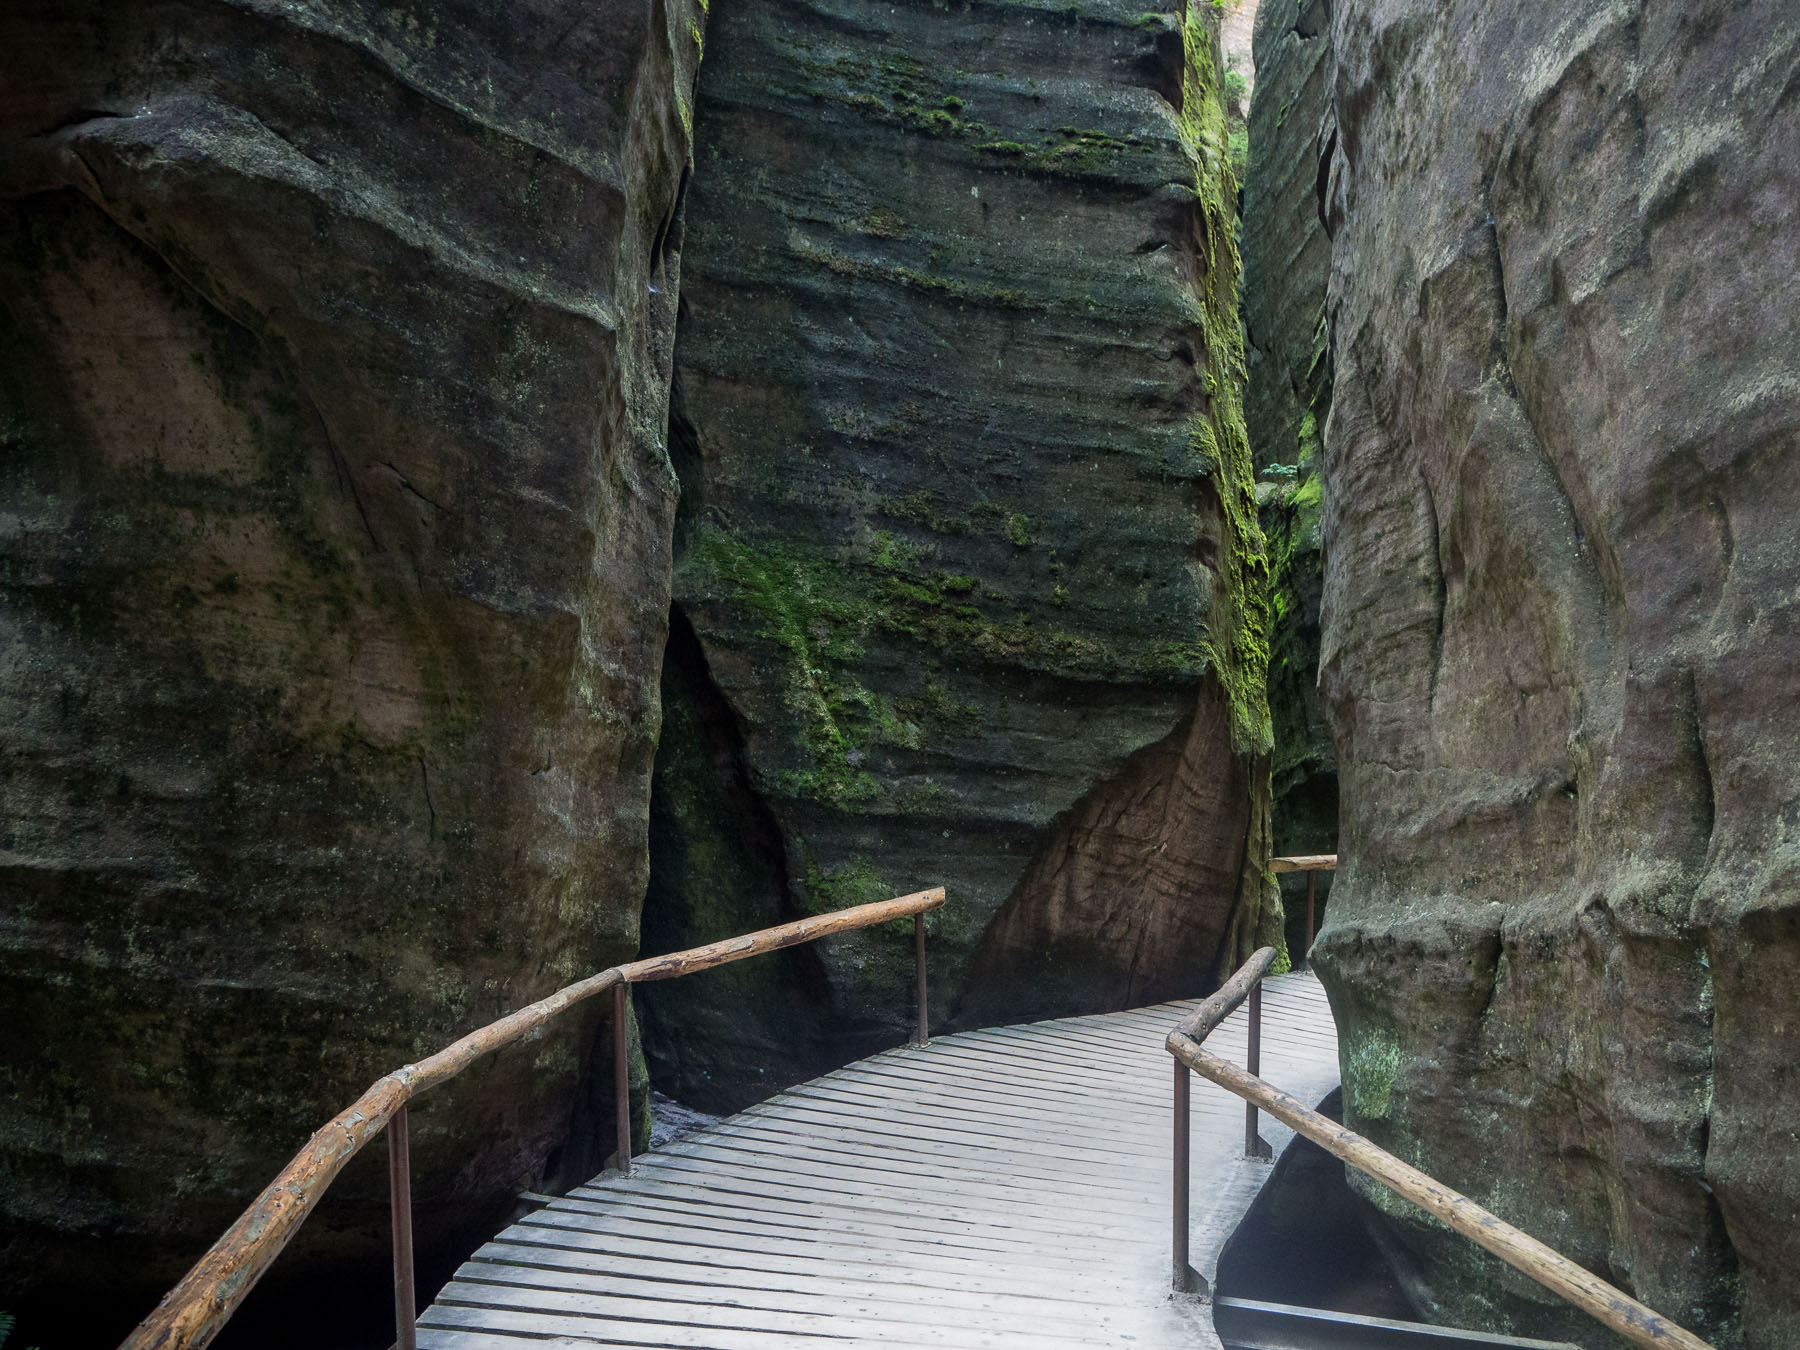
923, 1032
1254, 1147
621, 1078
1181, 1282
1312, 882
406, 1304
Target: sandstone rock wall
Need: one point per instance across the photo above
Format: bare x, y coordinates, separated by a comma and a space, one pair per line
1287, 403
334, 556
967, 538
1562, 635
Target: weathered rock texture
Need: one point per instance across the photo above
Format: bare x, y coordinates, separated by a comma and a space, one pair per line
334, 550
1562, 635
1287, 401
968, 540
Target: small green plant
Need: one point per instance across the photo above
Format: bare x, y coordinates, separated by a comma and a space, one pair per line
1018, 529
7, 1322
1237, 88
1285, 472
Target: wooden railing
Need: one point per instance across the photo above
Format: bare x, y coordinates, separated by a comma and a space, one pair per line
193, 1312
1312, 864
1613, 1307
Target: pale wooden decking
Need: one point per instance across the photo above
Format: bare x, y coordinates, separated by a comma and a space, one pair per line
1007, 1187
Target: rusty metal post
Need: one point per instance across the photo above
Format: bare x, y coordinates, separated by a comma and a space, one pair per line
622, 1077
1181, 1282
1254, 1147
1312, 882
406, 1304
923, 1031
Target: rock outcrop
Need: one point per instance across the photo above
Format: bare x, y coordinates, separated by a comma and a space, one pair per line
334, 558
967, 540
1562, 636
1287, 402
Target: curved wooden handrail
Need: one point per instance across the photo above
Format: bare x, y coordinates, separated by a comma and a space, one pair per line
191, 1313
1614, 1308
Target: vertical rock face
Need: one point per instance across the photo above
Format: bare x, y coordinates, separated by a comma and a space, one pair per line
1287, 265
968, 542
334, 544
1562, 639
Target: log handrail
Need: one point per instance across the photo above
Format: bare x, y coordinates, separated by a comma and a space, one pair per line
192, 1313
1305, 862
1311, 864
1612, 1307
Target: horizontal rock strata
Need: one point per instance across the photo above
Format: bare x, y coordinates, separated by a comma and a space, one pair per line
967, 536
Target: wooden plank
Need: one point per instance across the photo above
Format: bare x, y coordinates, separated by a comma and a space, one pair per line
884, 1113
1050, 1251
726, 1270
809, 1278
776, 1183
684, 1205
748, 1249
831, 1143
711, 1202
881, 1115
988, 1308
741, 1267
828, 1316
889, 1113
619, 1331
990, 1190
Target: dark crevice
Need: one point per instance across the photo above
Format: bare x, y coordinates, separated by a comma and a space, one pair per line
430, 806
1441, 592
684, 454
687, 675
407, 485
719, 868
1322, 182
1709, 792
668, 239
79, 118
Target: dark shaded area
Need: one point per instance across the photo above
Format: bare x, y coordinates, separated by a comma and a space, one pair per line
1306, 1240
1287, 403
306, 1302
724, 1038
1305, 823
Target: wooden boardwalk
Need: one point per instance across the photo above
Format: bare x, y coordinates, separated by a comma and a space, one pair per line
1006, 1187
